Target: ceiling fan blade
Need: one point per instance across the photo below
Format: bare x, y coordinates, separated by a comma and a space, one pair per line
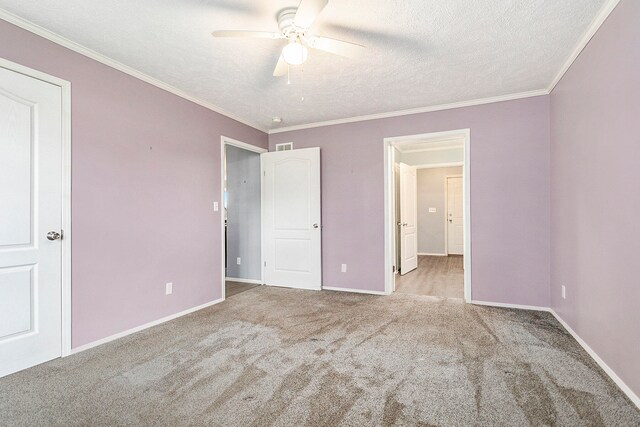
281, 67
307, 12
337, 47
247, 34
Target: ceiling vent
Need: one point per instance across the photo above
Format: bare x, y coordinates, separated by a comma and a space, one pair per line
287, 146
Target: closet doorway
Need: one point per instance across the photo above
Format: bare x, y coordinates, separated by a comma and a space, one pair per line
241, 217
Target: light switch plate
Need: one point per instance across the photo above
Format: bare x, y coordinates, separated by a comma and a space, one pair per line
343, 268
432, 210
169, 288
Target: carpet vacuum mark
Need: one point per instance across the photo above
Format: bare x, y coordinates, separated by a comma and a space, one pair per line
283, 357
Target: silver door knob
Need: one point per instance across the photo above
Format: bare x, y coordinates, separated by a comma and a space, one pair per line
54, 235
315, 225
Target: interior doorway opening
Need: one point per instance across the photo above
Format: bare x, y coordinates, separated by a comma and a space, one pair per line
427, 215
241, 217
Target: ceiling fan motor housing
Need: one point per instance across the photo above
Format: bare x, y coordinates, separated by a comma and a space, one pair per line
285, 23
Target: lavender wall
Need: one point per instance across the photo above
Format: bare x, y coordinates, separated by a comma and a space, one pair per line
595, 197
145, 173
509, 196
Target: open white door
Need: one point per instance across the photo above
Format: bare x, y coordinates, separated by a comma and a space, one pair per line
291, 244
455, 216
408, 218
30, 221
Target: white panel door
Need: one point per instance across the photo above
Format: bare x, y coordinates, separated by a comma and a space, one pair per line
455, 216
30, 207
408, 218
291, 244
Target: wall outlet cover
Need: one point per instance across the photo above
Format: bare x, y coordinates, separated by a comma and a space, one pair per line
169, 288
238, 261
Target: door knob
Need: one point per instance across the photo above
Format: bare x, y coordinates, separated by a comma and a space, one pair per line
54, 235
315, 225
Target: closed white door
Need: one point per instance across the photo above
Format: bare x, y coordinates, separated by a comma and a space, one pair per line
30, 207
408, 219
455, 216
291, 218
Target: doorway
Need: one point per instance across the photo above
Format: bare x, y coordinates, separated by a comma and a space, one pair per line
427, 215
241, 218
35, 244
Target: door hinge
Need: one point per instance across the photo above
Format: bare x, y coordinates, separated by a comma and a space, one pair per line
394, 269
265, 263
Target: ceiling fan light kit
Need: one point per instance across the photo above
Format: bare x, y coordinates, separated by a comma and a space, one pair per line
294, 24
295, 53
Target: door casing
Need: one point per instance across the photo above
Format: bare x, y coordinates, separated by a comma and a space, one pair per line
389, 203
65, 87
224, 141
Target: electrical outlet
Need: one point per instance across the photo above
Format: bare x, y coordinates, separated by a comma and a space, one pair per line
215, 207
343, 268
238, 261
564, 292
168, 288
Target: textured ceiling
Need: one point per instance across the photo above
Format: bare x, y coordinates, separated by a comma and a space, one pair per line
420, 53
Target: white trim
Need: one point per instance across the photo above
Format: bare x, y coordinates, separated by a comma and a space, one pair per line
422, 150
224, 141
65, 87
389, 207
251, 281
440, 165
616, 379
230, 141
430, 254
504, 305
584, 41
355, 291
142, 327
62, 41
441, 107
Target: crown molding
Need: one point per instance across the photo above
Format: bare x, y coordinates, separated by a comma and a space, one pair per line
409, 112
584, 41
62, 41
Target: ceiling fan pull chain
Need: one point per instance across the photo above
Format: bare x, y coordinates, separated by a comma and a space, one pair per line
302, 83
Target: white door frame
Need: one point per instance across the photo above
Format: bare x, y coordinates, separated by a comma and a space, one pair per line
224, 141
65, 87
389, 204
446, 206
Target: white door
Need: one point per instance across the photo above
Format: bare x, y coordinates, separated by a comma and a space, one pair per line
408, 219
455, 216
291, 218
30, 207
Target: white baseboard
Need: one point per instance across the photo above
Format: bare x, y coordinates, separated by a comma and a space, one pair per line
357, 291
430, 254
616, 379
517, 306
252, 281
142, 327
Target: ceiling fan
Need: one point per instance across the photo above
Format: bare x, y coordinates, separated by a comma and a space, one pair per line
294, 24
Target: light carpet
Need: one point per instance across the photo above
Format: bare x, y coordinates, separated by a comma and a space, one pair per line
283, 357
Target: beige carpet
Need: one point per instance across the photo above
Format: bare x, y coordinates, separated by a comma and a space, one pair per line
279, 357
